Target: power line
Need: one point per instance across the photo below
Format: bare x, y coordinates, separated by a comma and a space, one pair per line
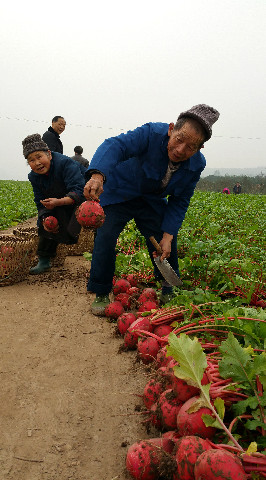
111, 128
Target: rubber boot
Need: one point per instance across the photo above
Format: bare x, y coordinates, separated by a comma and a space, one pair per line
99, 304
42, 266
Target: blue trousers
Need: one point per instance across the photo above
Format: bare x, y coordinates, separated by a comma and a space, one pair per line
148, 221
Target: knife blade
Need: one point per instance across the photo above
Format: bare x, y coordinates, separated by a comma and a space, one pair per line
165, 268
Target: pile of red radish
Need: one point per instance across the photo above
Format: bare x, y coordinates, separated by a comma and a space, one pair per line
188, 458
170, 403
127, 294
190, 455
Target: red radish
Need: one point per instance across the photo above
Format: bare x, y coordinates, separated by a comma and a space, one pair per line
150, 292
188, 450
124, 299
143, 459
148, 349
173, 435
90, 214
121, 285
132, 279
131, 337
169, 406
6, 250
51, 223
162, 359
124, 321
162, 376
147, 306
162, 442
114, 309
192, 423
142, 323
170, 366
151, 393
219, 465
182, 390
161, 372
133, 291
163, 330
145, 298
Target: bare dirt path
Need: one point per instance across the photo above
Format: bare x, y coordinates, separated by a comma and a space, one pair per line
64, 387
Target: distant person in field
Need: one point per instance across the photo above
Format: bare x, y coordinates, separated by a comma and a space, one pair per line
52, 136
58, 185
149, 175
237, 188
79, 158
226, 190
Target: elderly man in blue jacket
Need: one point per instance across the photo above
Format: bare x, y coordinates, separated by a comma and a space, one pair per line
148, 174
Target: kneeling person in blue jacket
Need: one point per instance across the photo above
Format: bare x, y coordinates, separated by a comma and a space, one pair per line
148, 174
58, 183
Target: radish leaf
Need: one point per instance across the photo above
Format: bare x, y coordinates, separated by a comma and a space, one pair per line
191, 358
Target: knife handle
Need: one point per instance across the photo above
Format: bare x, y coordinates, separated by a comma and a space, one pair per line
156, 245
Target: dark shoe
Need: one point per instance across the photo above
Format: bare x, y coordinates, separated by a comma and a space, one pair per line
99, 304
42, 266
166, 298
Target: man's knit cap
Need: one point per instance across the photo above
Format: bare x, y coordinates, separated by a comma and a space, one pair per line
204, 114
33, 143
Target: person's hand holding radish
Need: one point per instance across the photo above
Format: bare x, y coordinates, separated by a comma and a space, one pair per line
94, 187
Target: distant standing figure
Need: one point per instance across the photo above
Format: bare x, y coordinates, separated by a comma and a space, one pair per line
78, 156
226, 190
237, 188
52, 138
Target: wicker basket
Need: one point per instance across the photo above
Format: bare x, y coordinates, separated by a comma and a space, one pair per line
61, 252
16, 257
85, 242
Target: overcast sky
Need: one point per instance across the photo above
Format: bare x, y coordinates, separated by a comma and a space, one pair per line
108, 67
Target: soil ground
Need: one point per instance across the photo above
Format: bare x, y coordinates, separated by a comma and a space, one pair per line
66, 391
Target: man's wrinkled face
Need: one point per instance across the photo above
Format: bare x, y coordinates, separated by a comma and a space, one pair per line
40, 161
183, 143
59, 126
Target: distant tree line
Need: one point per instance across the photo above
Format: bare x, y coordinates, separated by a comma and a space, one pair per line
216, 183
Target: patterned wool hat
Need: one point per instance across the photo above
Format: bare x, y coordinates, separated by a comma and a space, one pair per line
33, 143
204, 114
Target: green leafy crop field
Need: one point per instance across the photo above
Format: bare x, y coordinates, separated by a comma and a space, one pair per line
16, 203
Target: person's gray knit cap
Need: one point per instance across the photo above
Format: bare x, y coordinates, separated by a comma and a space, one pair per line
34, 143
204, 114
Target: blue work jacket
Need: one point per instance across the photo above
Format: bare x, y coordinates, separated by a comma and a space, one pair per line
134, 165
